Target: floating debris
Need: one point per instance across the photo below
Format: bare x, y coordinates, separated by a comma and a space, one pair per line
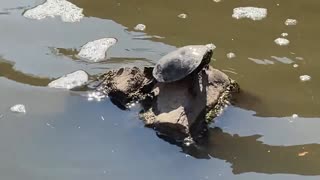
19, 108
261, 61
96, 50
231, 55
294, 116
70, 81
305, 78
253, 13
291, 22
284, 34
140, 27
295, 65
182, 16
51, 8
282, 41
303, 153
283, 60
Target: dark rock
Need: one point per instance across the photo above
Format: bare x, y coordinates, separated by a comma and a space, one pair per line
179, 109
183, 108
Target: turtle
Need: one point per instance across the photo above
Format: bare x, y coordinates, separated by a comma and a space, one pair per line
182, 62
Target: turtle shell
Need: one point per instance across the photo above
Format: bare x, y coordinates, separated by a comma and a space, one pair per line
180, 63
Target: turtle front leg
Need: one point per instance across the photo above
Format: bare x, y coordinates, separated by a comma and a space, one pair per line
194, 84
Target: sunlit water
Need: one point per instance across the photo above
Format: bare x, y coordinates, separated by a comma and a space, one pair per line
65, 136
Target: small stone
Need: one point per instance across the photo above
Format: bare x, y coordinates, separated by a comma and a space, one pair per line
291, 22
51, 8
96, 50
253, 13
70, 81
182, 16
284, 34
282, 41
305, 78
231, 55
140, 27
19, 108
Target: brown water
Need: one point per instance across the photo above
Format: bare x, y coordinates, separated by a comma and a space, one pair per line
63, 136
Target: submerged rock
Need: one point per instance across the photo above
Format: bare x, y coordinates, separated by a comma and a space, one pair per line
18, 108
96, 50
51, 8
253, 13
70, 81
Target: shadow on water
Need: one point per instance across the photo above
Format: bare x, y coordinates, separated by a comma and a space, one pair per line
248, 154
7, 70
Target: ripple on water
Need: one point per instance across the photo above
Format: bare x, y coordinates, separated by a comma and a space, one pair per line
51, 8
96, 50
253, 13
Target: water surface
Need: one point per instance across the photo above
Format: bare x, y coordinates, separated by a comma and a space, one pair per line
64, 136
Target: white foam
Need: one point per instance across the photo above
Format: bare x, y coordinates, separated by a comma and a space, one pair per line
182, 16
140, 27
231, 55
18, 108
282, 41
253, 13
291, 22
70, 81
284, 34
96, 50
305, 78
51, 8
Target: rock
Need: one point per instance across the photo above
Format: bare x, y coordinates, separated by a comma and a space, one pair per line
18, 108
51, 8
179, 109
126, 84
70, 81
96, 50
253, 13
184, 108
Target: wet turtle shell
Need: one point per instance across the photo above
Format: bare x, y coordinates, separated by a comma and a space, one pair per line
180, 63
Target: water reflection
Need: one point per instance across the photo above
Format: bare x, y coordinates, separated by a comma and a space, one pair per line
248, 154
7, 70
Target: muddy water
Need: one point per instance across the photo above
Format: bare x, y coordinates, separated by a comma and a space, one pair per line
64, 136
